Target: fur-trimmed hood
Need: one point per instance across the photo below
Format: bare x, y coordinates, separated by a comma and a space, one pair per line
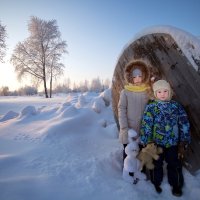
139, 65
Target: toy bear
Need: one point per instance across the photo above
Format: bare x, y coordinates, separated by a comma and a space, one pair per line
131, 172
146, 156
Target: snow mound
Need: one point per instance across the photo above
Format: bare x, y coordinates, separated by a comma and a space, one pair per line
81, 101
106, 95
69, 122
112, 130
28, 111
69, 111
63, 106
9, 115
98, 104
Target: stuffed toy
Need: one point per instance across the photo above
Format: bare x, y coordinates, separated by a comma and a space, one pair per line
131, 172
147, 154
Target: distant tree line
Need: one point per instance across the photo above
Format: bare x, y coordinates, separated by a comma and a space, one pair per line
96, 85
23, 91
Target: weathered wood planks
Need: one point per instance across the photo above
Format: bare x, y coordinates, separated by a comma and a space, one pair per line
166, 60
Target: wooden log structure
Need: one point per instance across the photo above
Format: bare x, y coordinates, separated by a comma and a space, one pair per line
166, 60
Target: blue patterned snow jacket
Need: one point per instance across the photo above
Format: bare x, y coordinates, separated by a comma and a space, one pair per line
165, 123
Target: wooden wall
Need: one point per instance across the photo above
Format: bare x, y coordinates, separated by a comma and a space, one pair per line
166, 60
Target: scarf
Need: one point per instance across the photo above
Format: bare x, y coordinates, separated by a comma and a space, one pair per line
136, 88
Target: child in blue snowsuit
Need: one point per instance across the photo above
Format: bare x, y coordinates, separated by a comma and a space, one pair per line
166, 124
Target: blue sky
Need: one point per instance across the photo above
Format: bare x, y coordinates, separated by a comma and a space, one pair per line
95, 31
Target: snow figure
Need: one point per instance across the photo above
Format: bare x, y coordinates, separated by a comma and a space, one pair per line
133, 136
131, 169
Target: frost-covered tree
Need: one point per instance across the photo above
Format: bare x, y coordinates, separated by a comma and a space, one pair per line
96, 85
27, 90
67, 83
4, 91
56, 69
39, 55
83, 86
106, 83
3, 36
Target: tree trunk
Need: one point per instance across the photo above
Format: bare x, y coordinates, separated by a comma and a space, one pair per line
45, 88
51, 81
45, 83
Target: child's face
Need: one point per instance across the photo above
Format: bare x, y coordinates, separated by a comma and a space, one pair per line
162, 94
137, 80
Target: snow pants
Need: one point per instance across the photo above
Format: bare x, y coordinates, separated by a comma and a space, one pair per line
174, 168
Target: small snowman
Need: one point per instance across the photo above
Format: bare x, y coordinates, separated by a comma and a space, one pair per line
131, 169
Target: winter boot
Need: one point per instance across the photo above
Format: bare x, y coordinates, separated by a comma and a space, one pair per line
176, 191
158, 188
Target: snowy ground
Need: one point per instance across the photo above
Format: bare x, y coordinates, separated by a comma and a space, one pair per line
67, 148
